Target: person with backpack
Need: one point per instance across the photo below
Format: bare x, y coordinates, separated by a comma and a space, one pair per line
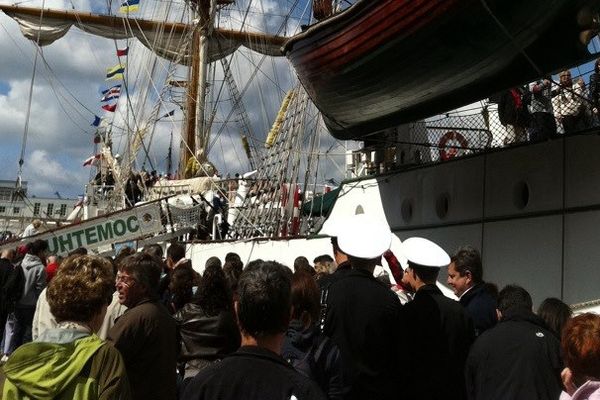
310, 352
32, 272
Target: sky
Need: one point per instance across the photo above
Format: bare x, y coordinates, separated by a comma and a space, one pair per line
68, 81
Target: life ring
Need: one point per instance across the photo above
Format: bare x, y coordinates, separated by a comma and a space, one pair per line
446, 153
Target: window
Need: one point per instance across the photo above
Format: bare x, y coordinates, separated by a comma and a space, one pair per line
16, 210
6, 194
2, 209
63, 210
49, 209
36, 209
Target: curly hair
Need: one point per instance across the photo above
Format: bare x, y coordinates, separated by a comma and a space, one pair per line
81, 287
213, 294
581, 346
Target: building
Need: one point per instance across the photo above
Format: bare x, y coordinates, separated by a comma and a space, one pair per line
17, 209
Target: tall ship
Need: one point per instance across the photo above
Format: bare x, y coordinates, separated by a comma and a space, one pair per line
378, 72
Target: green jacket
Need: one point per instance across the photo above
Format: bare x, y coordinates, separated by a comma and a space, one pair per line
71, 365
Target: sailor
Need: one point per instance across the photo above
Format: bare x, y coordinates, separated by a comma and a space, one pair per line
362, 313
439, 331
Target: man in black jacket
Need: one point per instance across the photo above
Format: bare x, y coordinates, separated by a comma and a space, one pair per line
257, 371
465, 275
517, 359
362, 316
437, 332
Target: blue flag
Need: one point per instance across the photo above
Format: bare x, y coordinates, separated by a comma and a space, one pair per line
97, 121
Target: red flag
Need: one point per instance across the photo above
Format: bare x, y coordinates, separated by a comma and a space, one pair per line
122, 52
110, 107
90, 160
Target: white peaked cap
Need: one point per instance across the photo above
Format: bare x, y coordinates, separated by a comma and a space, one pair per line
363, 236
424, 252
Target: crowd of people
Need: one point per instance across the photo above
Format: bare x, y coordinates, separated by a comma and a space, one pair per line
544, 109
147, 325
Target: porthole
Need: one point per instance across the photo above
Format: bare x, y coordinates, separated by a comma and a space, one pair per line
406, 210
442, 205
521, 195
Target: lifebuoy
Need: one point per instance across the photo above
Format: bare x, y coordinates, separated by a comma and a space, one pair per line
446, 153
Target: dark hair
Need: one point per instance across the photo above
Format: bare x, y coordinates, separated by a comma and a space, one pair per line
467, 259
213, 262
301, 264
555, 313
232, 274
232, 257
213, 293
426, 274
176, 252
82, 286
37, 246
514, 298
581, 346
305, 296
145, 269
182, 281
325, 258
264, 299
80, 251
155, 250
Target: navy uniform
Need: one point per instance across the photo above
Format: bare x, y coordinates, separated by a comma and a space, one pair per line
438, 332
363, 314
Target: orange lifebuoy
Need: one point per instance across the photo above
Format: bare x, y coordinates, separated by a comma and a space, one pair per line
451, 152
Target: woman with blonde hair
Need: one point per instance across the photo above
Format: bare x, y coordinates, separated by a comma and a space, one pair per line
70, 361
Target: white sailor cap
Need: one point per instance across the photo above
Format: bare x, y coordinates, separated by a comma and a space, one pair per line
363, 236
421, 251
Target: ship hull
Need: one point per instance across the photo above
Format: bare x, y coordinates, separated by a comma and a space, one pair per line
383, 63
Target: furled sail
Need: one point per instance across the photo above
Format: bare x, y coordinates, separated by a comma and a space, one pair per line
166, 39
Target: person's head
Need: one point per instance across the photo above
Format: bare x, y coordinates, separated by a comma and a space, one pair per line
155, 250
80, 251
38, 248
424, 259
565, 78
81, 290
513, 299
581, 348
323, 264
229, 257
213, 293
138, 279
301, 264
52, 259
36, 223
364, 239
213, 262
264, 300
175, 252
232, 274
305, 298
8, 254
182, 281
465, 270
555, 313
597, 66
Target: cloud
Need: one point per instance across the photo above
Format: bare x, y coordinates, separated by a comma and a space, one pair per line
66, 97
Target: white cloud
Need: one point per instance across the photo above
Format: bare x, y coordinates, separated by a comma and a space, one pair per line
60, 136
